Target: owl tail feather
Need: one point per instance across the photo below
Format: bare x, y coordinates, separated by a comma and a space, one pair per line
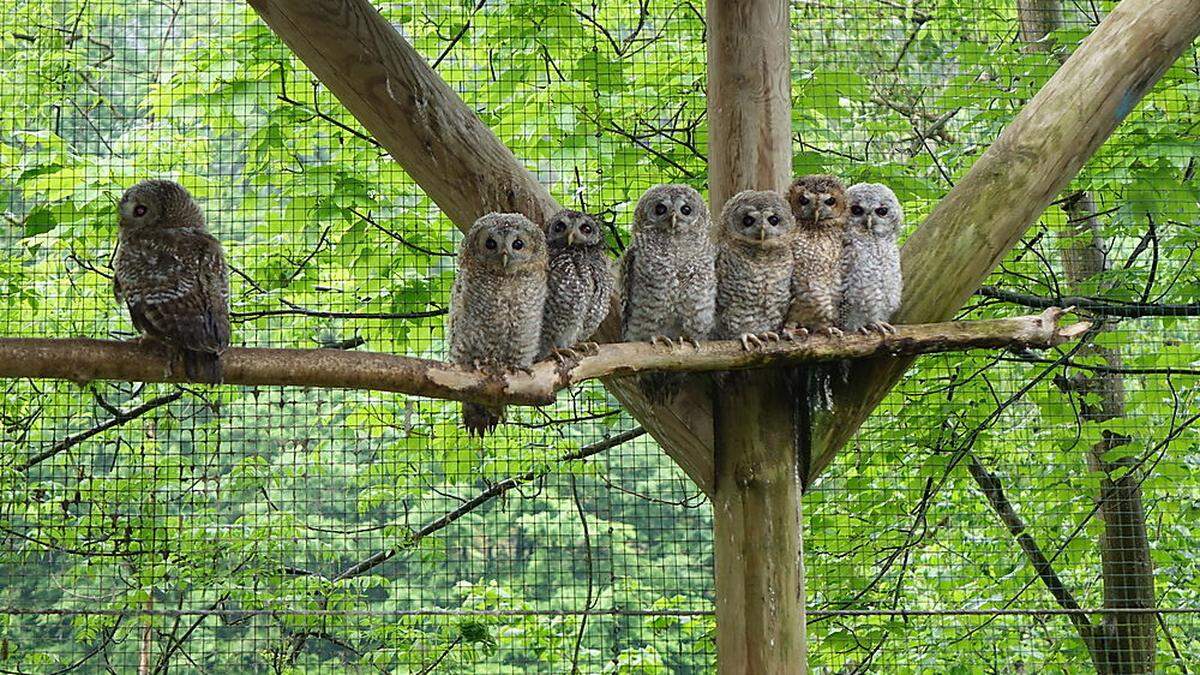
660, 388
480, 420
203, 366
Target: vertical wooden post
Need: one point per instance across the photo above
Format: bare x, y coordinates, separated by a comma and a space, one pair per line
756, 496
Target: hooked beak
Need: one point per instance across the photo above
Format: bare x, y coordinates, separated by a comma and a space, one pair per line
571, 237
504, 259
762, 233
674, 219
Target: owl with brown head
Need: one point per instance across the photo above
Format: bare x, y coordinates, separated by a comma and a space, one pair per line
819, 206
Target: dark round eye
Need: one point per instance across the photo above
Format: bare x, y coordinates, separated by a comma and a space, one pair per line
491, 244
586, 229
748, 221
881, 211
660, 209
560, 226
856, 210
803, 201
831, 201
774, 220
139, 211
517, 245
685, 210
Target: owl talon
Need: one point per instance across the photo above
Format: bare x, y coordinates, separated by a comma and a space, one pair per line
662, 341
769, 336
685, 341
562, 354
748, 338
793, 332
589, 348
831, 331
885, 328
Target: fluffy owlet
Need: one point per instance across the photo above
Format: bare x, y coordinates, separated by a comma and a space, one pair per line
819, 205
496, 303
871, 279
579, 284
171, 274
754, 266
668, 282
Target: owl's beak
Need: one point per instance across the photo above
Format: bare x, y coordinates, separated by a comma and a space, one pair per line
762, 233
571, 237
674, 219
504, 259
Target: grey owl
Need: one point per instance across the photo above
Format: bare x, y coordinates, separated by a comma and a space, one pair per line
819, 205
871, 280
496, 303
579, 284
668, 279
754, 266
171, 275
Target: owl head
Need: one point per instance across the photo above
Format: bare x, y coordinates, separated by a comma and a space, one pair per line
159, 204
504, 243
760, 218
671, 208
874, 209
572, 229
817, 200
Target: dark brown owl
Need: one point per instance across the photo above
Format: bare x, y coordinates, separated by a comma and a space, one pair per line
171, 274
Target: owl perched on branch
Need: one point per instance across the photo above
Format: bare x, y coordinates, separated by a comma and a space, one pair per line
171, 274
579, 284
668, 281
496, 303
871, 280
819, 205
754, 267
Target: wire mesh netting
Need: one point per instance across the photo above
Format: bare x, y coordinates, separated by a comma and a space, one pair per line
992, 506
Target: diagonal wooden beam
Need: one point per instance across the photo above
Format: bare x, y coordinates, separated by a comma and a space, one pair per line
463, 167
1009, 186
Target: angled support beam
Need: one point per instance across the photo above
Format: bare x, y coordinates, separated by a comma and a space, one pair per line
1009, 186
457, 161
86, 360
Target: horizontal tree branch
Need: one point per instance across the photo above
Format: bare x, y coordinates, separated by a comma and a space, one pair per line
1095, 305
85, 360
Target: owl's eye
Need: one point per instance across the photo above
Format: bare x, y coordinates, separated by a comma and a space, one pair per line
586, 229
560, 226
831, 201
748, 220
881, 211
491, 244
139, 211
803, 201
774, 220
685, 210
517, 245
660, 209
856, 210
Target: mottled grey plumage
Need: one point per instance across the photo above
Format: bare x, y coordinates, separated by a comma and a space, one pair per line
171, 274
871, 279
819, 205
668, 279
496, 302
579, 284
754, 266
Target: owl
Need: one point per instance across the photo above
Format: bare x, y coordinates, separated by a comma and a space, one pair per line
754, 267
579, 284
171, 275
819, 205
668, 278
871, 280
496, 303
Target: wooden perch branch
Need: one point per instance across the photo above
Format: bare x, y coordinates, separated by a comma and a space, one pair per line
85, 360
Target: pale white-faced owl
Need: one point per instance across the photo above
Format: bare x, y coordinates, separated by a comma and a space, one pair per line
668, 278
579, 284
496, 303
754, 266
871, 279
171, 275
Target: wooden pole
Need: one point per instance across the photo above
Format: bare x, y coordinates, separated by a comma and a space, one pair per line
761, 625
1009, 186
463, 167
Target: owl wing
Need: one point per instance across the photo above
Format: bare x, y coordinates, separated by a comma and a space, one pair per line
625, 284
184, 300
